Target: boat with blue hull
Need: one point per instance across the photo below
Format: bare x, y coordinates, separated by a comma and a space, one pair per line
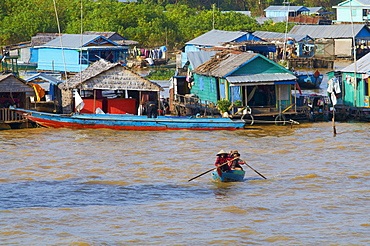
309, 80
129, 122
230, 176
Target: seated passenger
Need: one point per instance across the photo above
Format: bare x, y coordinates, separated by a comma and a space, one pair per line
235, 164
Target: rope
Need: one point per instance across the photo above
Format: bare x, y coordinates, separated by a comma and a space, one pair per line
60, 36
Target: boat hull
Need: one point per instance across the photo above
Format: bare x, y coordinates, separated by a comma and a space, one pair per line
129, 122
231, 176
309, 81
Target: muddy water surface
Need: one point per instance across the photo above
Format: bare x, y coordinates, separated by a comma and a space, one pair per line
103, 187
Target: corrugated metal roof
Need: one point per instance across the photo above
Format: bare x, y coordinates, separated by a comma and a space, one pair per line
46, 77
315, 9
327, 31
216, 37
73, 40
268, 78
261, 20
362, 2
287, 8
224, 63
362, 65
197, 58
277, 36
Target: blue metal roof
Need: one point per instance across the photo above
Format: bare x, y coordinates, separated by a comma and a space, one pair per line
76, 40
48, 78
218, 37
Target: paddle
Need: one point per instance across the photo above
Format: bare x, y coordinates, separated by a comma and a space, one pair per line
255, 171
212, 169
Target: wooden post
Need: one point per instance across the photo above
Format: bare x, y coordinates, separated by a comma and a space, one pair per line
333, 123
94, 102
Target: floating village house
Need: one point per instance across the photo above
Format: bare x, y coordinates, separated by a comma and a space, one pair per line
215, 38
298, 45
50, 99
284, 11
250, 78
113, 36
354, 84
353, 11
74, 52
14, 91
108, 87
336, 41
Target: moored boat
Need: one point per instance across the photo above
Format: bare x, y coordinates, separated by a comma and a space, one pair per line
230, 176
309, 80
129, 122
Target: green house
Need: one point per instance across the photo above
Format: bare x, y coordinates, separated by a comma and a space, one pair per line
250, 78
354, 83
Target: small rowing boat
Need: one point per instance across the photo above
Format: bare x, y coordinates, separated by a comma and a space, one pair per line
230, 176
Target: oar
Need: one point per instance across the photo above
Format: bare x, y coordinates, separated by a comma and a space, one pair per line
211, 170
255, 171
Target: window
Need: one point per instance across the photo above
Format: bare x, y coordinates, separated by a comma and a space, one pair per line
84, 57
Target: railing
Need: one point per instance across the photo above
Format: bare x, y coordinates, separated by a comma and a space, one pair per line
9, 116
182, 103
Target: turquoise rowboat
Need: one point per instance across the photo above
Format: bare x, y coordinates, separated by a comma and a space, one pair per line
231, 176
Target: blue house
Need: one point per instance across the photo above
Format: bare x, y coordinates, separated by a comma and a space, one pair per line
75, 52
215, 38
353, 11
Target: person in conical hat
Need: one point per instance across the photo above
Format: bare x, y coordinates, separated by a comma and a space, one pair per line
222, 157
222, 152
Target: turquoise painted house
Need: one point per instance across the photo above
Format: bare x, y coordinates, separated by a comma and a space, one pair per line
75, 52
215, 38
356, 11
354, 83
250, 78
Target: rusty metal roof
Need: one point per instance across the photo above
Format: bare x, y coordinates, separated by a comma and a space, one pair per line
329, 31
223, 64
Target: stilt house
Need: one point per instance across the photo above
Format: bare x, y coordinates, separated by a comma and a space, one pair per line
111, 87
250, 78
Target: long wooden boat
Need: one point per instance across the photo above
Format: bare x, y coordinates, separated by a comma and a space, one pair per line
128, 122
231, 176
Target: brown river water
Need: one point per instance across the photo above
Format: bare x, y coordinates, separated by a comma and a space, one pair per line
104, 187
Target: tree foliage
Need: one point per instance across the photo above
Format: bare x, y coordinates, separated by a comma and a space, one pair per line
152, 23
